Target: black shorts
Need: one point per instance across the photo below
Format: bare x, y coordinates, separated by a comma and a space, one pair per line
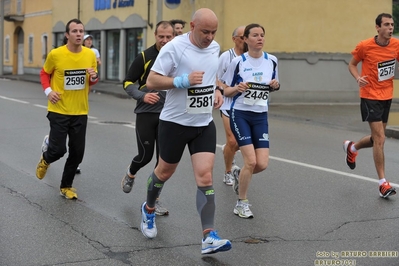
173, 138
375, 110
224, 113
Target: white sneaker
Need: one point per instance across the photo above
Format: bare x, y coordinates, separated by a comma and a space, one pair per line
78, 170
235, 170
160, 210
45, 144
228, 179
213, 244
242, 209
148, 226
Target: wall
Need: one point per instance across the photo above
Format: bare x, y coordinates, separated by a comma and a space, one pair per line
36, 24
312, 38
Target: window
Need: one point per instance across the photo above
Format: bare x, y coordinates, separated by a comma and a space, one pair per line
134, 45
44, 47
112, 63
7, 49
30, 57
59, 39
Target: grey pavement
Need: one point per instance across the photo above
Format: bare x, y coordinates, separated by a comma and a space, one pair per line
345, 115
85, 232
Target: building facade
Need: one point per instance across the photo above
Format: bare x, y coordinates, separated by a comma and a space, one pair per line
311, 38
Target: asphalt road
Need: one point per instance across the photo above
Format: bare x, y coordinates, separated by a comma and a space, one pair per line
309, 207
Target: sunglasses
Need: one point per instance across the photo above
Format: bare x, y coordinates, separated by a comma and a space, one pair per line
241, 37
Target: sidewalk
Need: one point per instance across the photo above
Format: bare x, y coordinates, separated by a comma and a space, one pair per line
329, 113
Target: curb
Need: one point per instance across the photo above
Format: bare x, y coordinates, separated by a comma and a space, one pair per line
116, 94
392, 132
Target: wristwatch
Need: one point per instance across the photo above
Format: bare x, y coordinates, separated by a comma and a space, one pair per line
219, 89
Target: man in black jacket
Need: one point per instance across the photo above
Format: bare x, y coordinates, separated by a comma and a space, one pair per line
148, 107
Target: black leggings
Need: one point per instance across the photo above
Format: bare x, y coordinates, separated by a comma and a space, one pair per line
147, 139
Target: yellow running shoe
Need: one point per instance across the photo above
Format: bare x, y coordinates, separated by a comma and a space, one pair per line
69, 193
41, 168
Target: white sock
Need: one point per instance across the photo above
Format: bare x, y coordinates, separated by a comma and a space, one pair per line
382, 181
353, 149
47, 141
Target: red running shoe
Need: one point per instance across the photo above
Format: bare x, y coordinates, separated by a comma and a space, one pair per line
350, 156
386, 190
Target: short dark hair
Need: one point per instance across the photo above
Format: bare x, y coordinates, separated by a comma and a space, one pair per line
77, 21
178, 21
378, 20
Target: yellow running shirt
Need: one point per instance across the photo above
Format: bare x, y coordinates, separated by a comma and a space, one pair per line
70, 78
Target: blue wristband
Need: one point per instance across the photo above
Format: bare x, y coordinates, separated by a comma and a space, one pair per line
181, 82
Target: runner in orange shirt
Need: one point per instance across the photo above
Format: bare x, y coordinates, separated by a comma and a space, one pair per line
378, 56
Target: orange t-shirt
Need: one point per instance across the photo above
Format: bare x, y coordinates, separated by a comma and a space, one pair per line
378, 64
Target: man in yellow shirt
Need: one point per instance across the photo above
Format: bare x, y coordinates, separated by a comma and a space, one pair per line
68, 72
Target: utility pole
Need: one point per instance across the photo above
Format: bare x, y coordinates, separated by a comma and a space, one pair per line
79, 9
2, 37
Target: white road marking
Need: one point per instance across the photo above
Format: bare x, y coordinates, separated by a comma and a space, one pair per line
131, 126
37, 105
364, 178
271, 157
14, 100
41, 106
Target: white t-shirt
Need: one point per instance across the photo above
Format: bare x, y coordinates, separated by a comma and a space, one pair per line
224, 61
193, 106
256, 71
96, 52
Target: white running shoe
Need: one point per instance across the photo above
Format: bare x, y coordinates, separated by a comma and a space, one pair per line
45, 144
148, 226
242, 209
213, 244
228, 179
235, 170
160, 210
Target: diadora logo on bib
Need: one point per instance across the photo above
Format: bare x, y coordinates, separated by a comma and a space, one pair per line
265, 137
201, 90
75, 72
